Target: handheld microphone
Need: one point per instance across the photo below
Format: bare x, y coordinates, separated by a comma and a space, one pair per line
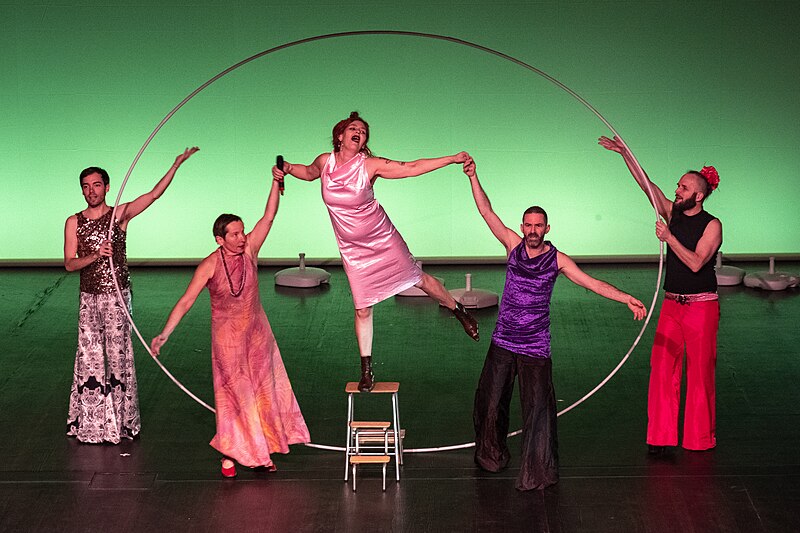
279, 164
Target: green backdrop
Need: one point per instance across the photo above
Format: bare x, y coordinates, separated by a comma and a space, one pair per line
686, 84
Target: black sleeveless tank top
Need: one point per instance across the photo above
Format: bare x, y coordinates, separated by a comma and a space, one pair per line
679, 278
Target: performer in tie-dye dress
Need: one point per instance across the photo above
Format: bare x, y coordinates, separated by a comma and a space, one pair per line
257, 413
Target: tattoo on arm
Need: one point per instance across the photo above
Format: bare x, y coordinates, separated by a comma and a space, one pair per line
389, 161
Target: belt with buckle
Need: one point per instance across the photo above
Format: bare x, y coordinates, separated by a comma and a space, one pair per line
690, 298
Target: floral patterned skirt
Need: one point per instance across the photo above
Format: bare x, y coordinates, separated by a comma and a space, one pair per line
103, 402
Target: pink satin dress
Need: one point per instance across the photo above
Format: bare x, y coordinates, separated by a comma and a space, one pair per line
375, 256
257, 413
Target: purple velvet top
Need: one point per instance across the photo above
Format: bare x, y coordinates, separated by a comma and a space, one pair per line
523, 324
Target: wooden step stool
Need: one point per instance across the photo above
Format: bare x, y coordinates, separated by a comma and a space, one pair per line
356, 460
375, 449
364, 438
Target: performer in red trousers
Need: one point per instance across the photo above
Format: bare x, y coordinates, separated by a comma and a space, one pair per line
690, 313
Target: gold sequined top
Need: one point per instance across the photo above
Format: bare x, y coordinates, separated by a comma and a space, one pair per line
96, 278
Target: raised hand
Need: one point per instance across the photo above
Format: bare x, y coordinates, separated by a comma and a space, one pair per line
461, 157
279, 174
185, 155
611, 144
469, 168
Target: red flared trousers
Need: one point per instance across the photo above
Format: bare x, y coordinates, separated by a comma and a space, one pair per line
691, 327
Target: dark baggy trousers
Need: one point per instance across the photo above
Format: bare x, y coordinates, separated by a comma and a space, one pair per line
539, 467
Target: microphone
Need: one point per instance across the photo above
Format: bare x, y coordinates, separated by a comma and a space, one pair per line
279, 164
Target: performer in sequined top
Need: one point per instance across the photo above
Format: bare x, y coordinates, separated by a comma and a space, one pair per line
96, 278
103, 402
521, 345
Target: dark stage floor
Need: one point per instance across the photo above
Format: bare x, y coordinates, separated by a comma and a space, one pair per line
168, 479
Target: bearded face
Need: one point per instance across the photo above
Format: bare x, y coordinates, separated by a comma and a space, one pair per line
533, 239
684, 204
534, 227
686, 192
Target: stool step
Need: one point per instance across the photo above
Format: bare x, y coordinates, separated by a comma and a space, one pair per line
360, 424
380, 387
376, 437
369, 459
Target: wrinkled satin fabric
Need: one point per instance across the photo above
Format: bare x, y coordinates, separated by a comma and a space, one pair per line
375, 257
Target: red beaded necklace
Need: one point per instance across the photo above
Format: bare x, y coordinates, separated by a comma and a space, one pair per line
235, 294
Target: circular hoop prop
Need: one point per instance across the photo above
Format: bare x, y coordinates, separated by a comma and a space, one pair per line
638, 170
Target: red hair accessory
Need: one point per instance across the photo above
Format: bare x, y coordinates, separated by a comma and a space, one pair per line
711, 175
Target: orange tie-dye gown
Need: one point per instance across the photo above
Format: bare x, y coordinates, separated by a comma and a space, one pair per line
257, 413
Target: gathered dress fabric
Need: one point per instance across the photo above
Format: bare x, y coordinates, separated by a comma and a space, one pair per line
375, 257
257, 412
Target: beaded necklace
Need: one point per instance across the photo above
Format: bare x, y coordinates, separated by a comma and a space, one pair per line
235, 294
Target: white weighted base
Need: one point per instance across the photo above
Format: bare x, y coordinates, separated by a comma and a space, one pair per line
771, 280
302, 276
474, 298
727, 275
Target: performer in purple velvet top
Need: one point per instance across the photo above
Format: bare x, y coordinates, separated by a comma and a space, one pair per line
521, 345
523, 324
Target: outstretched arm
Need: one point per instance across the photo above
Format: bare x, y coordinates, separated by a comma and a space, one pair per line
577, 276
706, 247
259, 233
662, 204
380, 167
303, 172
201, 276
131, 209
504, 234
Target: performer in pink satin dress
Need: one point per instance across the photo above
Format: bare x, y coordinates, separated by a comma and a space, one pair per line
376, 259
374, 254
257, 413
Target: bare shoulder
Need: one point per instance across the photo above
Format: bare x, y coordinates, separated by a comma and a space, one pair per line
373, 162
713, 229
320, 160
564, 261
208, 265
509, 238
71, 231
